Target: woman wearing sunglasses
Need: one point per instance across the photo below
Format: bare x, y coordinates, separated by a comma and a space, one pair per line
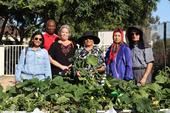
142, 55
34, 60
88, 47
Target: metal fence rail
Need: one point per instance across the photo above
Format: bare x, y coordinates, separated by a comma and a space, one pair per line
11, 57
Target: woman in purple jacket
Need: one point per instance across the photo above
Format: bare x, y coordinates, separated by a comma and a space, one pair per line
118, 58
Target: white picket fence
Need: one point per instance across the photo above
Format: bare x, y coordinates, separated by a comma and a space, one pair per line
9, 55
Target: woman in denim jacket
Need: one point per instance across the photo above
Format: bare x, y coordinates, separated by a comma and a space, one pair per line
34, 60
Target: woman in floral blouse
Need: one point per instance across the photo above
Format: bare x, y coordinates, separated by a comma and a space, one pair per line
92, 55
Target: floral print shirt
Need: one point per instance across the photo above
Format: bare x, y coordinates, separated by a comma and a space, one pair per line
82, 53
90, 70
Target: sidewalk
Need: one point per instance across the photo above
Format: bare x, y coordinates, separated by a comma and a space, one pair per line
6, 81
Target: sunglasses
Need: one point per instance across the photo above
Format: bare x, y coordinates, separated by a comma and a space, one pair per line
134, 33
40, 39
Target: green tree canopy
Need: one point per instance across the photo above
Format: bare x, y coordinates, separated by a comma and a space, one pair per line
81, 15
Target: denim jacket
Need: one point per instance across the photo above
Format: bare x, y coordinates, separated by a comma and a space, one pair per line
33, 64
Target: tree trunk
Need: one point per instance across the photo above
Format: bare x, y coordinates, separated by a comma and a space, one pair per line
3, 28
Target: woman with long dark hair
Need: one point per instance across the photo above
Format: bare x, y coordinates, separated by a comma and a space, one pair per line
34, 60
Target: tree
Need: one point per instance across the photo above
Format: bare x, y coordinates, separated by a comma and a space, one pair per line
140, 11
81, 15
17, 14
154, 20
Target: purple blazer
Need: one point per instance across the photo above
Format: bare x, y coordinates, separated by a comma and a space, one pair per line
121, 66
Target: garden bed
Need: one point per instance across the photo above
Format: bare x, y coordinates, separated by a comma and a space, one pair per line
86, 96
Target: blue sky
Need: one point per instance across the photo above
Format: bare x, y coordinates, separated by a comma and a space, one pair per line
163, 9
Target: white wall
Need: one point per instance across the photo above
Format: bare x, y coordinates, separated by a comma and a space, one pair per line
106, 39
1, 60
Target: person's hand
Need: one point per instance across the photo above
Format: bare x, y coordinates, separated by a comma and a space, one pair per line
143, 81
78, 73
14, 82
70, 66
64, 67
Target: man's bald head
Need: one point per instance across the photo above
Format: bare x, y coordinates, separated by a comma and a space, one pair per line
50, 26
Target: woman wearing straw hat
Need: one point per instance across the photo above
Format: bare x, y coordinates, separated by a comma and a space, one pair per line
88, 47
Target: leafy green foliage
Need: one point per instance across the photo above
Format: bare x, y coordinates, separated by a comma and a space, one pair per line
92, 60
59, 95
94, 15
88, 69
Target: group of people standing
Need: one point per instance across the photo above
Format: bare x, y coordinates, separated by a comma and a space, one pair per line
132, 61
49, 55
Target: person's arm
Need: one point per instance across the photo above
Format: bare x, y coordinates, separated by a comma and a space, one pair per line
76, 56
146, 73
101, 62
19, 66
107, 68
101, 69
107, 55
127, 57
52, 53
149, 60
57, 64
47, 65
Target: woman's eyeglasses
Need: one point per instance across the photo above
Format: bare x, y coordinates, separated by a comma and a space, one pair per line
40, 39
134, 33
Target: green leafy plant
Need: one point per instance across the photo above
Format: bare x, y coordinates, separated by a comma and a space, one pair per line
88, 76
59, 95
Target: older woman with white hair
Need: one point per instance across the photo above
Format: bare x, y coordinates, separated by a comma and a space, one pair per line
62, 51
